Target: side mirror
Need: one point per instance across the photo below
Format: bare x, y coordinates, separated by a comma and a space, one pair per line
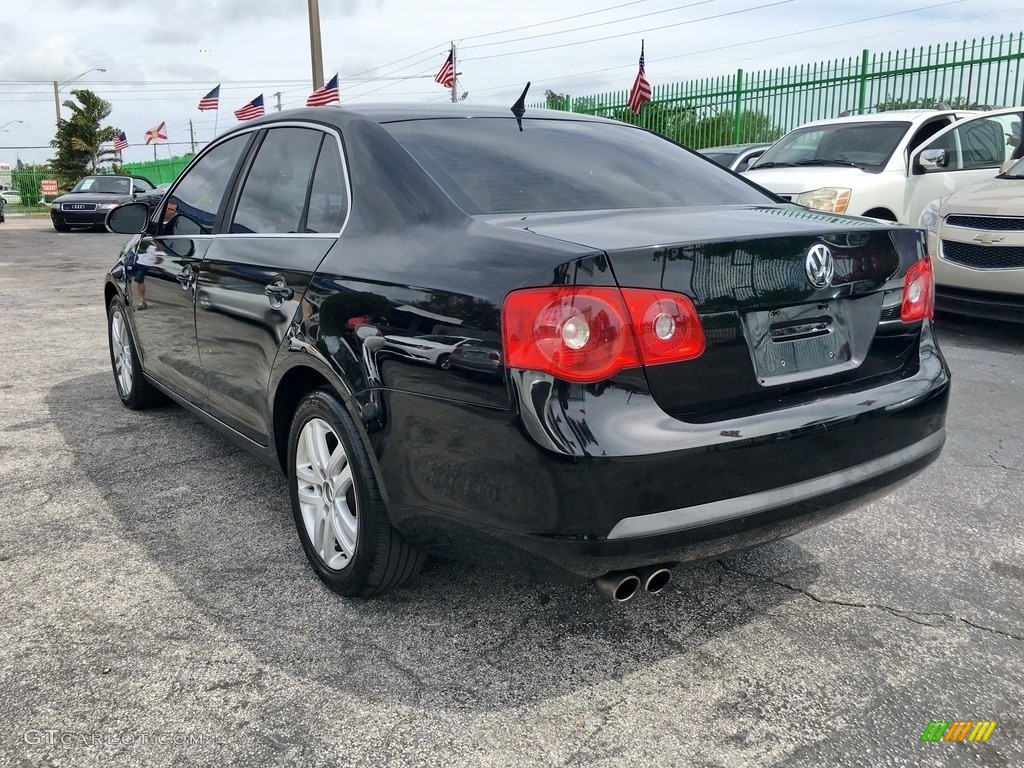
931, 160
128, 219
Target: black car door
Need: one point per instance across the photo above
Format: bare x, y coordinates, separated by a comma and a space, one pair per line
163, 275
290, 208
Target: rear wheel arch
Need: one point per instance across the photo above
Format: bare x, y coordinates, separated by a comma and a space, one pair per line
294, 384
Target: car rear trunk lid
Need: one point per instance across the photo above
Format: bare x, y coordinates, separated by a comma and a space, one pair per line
773, 336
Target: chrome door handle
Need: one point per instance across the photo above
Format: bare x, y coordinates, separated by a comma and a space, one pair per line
186, 277
278, 292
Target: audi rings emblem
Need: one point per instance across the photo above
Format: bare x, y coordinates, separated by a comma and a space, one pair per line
820, 265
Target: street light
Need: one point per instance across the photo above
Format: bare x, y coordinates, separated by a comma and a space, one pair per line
9, 122
57, 86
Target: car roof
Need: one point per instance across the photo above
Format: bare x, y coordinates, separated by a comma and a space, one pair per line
906, 115
397, 112
736, 147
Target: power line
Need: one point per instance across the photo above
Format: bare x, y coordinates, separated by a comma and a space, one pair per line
553, 21
589, 26
634, 32
748, 42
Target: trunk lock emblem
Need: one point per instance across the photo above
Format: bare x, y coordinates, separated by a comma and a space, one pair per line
820, 266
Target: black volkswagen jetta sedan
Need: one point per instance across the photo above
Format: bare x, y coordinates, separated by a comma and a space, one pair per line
92, 198
688, 366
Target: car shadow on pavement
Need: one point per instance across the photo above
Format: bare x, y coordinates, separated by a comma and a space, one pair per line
217, 524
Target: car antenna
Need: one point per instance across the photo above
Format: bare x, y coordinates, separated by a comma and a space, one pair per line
519, 108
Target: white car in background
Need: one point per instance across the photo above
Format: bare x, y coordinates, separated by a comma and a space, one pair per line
888, 165
977, 237
11, 197
435, 349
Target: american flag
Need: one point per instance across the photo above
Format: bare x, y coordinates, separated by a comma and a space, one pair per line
253, 109
641, 91
155, 134
325, 95
120, 142
446, 75
210, 100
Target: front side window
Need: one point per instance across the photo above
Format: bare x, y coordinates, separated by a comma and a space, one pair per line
487, 165
274, 194
986, 142
191, 209
867, 145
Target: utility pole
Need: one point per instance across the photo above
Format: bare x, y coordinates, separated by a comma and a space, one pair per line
191, 136
56, 101
455, 79
278, 96
315, 49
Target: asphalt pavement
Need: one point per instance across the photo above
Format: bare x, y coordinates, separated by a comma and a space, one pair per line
157, 608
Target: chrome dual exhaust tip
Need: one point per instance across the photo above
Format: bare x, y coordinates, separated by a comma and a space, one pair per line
622, 586
654, 578
618, 586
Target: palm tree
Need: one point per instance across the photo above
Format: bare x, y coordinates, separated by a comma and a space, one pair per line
80, 139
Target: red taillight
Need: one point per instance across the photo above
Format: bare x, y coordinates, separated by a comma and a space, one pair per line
588, 334
919, 292
667, 325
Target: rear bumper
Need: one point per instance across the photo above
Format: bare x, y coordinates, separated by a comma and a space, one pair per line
574, 559
582, 481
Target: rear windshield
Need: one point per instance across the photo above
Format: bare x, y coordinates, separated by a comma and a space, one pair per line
486, 165
868, 144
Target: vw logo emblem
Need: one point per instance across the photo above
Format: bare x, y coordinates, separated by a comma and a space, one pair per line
820, 265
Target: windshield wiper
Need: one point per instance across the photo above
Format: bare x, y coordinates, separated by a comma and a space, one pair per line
826, 161
771, 165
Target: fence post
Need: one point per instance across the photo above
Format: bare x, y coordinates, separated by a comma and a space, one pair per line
863, 97
738, 107
567, 107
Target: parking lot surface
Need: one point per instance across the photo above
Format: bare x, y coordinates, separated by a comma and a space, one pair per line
158, 610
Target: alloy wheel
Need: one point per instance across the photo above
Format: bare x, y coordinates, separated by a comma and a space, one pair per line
327, 494
121, 346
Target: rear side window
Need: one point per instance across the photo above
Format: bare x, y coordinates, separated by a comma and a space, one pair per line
327, 200
192, 208
274, 194
487, 165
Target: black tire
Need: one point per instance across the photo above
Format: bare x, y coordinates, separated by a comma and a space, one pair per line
444, 362
140, 394
61, 227
381, 558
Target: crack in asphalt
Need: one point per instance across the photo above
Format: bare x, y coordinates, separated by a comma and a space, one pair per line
604, 713
899, 612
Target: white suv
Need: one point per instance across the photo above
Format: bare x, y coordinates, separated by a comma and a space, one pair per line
888, 165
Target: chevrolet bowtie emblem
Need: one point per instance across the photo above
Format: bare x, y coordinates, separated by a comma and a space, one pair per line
989, 237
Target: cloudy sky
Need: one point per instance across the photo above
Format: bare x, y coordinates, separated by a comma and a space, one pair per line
161, 58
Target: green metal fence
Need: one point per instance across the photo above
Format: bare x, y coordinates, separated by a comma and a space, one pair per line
761, 106
159, 171
24, 193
